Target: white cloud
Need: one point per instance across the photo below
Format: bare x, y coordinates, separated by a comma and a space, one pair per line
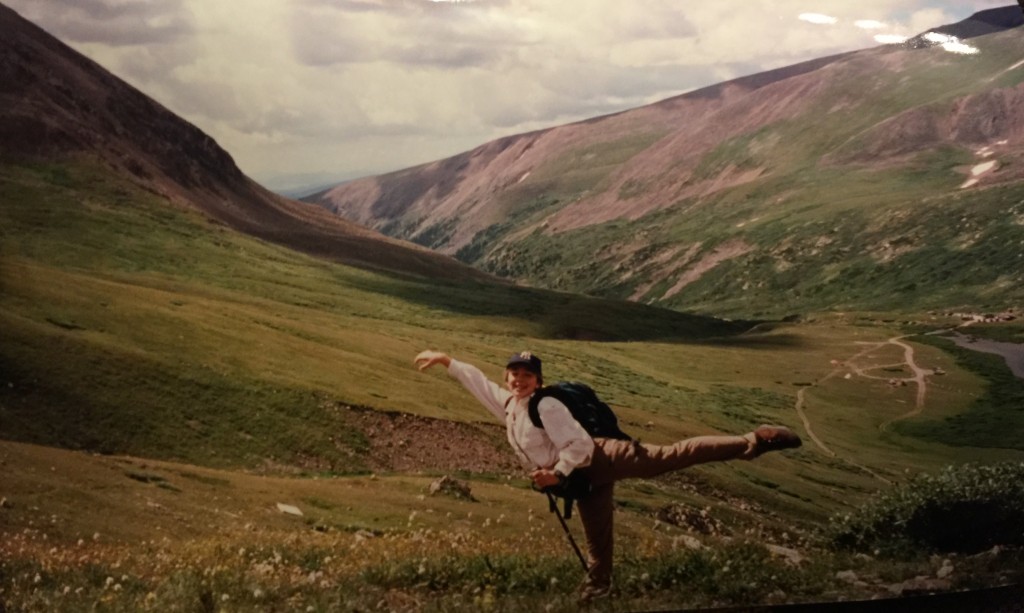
347, 87
817, 18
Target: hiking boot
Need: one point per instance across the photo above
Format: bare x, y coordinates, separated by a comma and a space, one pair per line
774, 438
590, 592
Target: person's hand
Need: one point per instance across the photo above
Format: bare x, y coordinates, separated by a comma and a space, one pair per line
543, 477
428, 358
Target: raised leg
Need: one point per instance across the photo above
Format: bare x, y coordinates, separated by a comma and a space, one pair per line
615, 459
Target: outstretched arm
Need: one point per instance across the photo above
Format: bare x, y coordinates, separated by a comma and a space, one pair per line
428, 358
490, 394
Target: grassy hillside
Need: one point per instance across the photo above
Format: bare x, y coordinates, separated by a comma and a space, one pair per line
163, 320
196, 378
929, 247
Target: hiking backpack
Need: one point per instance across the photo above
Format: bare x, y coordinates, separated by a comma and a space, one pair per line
596, 417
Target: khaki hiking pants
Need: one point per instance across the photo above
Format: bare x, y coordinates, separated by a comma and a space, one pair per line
614, 460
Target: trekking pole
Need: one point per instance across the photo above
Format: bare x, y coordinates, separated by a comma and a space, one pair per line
565, 527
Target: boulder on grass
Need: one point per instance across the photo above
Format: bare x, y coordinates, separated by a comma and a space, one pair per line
449, 486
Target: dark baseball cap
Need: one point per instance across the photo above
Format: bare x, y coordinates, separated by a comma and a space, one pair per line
527, 359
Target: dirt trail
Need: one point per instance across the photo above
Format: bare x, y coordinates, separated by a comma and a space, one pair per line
918, 378
850, 364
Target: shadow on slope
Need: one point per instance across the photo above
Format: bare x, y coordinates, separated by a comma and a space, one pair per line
554, 315
59, 107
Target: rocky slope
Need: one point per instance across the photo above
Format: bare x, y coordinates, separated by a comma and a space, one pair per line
56, 105
704, 199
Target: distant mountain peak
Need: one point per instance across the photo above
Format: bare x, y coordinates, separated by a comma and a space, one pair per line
715, 197
988, 21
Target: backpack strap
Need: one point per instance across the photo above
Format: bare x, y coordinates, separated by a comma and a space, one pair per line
533, 407
576, 485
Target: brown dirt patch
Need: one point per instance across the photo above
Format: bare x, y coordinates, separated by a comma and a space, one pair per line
402, 442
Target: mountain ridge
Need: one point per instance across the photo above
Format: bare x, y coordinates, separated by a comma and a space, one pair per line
56, 103
701, 173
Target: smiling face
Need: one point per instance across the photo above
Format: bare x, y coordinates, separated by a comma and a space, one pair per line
521, 381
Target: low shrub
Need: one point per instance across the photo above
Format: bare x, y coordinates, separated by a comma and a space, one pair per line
736, 572
963, 509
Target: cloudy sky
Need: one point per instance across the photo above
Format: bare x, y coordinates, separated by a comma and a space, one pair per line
302, 92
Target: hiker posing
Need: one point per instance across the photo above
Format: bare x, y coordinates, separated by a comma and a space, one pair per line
559, 448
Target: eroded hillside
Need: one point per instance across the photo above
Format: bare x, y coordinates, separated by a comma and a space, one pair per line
885, 177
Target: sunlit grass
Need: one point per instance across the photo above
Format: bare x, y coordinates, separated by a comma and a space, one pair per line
131, 327
420, 570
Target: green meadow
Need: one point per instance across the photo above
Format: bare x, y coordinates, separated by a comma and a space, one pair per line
165, 383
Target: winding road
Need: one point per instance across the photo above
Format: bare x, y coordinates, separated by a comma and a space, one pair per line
850, 364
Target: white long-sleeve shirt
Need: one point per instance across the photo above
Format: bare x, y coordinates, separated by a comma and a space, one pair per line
562, 444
